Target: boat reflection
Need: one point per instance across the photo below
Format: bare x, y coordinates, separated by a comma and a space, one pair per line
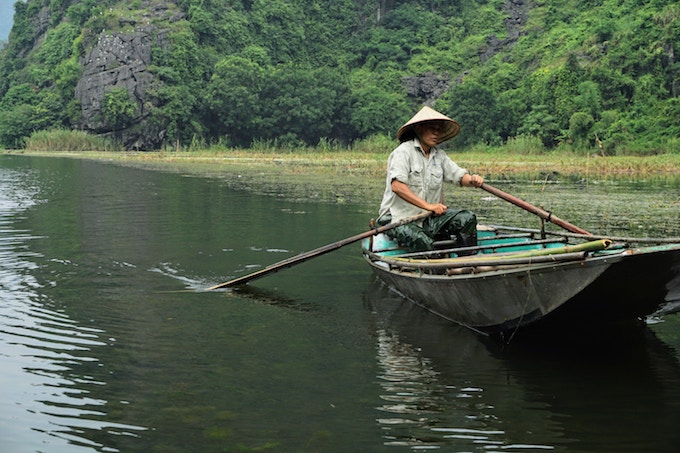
672, 304
444, 386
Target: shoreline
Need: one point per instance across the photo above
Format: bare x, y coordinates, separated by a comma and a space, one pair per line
346, 176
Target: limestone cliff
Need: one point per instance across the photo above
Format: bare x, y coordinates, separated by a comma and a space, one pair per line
119, 60
122, 59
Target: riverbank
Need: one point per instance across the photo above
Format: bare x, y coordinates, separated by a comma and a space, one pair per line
346, 176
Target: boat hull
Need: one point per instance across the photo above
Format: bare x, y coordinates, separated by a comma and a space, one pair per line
628, 285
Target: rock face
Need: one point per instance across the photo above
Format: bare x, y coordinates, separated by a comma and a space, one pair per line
121, 60
118, 61
517, 11
426, 88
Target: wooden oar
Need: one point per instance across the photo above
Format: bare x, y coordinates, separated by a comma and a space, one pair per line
302, 257
545, 215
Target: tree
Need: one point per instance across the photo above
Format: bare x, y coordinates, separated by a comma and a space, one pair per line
182, 68
118, 109
19, 94
280, 29
580, 125
535, 65
603, 129
303, 105
475, 107
564, 88
542, 124
233, 98
16, 125
378, 111
589, 99
176, 113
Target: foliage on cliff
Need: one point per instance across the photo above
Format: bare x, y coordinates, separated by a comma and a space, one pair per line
236, 72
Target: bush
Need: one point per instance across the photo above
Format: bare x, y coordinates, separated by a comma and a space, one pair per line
118, 108
525, 144
378, 143
66, 140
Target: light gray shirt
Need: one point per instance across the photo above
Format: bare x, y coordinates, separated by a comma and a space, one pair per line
424, 175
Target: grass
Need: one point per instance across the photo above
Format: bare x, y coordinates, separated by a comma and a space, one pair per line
350, 175
68, 140
520, 157
339, 173
372, 163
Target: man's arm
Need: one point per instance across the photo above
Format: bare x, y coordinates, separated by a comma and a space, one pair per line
405, 193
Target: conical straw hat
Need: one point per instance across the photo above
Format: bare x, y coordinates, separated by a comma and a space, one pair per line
450, 130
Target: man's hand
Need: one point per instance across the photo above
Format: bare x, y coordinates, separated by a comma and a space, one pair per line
469, 180
437, 208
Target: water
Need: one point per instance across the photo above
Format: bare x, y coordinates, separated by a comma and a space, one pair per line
108, 341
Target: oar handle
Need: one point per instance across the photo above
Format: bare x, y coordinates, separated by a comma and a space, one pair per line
545, 215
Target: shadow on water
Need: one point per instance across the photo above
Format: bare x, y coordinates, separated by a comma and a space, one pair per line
444, 386
274, 298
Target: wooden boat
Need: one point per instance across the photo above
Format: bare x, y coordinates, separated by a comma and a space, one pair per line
518, 277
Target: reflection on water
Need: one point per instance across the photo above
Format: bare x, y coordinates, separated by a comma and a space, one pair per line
438, 383
416, 398
445, 387
43, 351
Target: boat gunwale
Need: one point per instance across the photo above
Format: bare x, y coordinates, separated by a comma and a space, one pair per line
496, 260
497, 270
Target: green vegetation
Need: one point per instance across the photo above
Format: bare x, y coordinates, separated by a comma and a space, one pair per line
67, 140
587, 76
354, 176
495, 163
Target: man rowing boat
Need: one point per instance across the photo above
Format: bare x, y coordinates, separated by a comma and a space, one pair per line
416, 172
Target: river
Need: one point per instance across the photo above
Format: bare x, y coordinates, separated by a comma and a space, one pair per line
109, 341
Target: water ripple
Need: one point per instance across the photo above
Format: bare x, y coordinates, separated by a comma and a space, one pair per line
425, 413
43, 351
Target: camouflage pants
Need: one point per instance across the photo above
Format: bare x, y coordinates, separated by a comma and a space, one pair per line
460, 224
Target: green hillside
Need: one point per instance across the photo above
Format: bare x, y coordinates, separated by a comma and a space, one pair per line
153, 74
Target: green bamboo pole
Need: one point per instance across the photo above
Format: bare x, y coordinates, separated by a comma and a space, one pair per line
591, 246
